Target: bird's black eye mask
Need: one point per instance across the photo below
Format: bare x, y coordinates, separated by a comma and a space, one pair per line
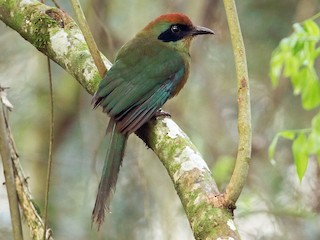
175, 33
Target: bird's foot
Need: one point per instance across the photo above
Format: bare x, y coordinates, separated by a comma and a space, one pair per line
161, 113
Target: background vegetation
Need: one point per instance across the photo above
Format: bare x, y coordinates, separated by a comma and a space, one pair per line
274, 204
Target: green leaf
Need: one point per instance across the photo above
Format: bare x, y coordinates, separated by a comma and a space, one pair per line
311, 94
299, 81
272, 147
313, 143
285, 45
300, 154
311, 27
276, 65
298, 46
291, 66
287, 134
298, 28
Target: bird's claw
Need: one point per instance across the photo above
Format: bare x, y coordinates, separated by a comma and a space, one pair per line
161, 113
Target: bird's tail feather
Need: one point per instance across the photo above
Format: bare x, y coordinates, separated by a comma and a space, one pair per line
115, 150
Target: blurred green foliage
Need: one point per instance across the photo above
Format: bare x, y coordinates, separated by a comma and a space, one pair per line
295, 58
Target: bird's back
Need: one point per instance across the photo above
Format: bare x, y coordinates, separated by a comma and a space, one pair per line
146, 73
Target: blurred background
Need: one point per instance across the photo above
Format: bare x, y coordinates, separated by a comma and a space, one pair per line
273, 205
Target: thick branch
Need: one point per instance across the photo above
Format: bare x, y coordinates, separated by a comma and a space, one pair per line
55, 34
241, 169
192, 179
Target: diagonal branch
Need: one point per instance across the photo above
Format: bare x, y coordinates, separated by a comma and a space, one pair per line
55, 34
192, 179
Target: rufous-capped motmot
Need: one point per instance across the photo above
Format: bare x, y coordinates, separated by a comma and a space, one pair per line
148, 70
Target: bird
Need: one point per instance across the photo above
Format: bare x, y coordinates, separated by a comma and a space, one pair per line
148, 70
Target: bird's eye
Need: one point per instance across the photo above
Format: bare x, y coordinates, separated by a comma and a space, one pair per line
175, 29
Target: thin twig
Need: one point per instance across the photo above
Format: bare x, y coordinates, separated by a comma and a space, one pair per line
241, 169
9, 177
56, 4
95, 53
49, 169
315, 16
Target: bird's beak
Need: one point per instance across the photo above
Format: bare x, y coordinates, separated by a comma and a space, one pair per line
198, 30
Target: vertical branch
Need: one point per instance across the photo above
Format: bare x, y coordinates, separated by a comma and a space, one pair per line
89, 38
241, 169
49, 169
9, 175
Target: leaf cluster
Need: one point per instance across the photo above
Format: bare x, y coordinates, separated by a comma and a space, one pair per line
296, 58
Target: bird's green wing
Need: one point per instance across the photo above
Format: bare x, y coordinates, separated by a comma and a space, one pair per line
135, 116
139, 83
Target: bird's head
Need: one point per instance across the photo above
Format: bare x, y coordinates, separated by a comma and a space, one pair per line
175, 29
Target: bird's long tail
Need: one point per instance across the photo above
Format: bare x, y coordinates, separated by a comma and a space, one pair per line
115, 150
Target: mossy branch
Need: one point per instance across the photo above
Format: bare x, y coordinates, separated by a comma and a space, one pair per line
193, 181
55, 34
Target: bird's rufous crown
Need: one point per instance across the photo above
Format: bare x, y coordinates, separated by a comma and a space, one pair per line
177, 18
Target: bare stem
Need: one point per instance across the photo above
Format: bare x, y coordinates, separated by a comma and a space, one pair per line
9, 177
88, 37
49, 169
241, 169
